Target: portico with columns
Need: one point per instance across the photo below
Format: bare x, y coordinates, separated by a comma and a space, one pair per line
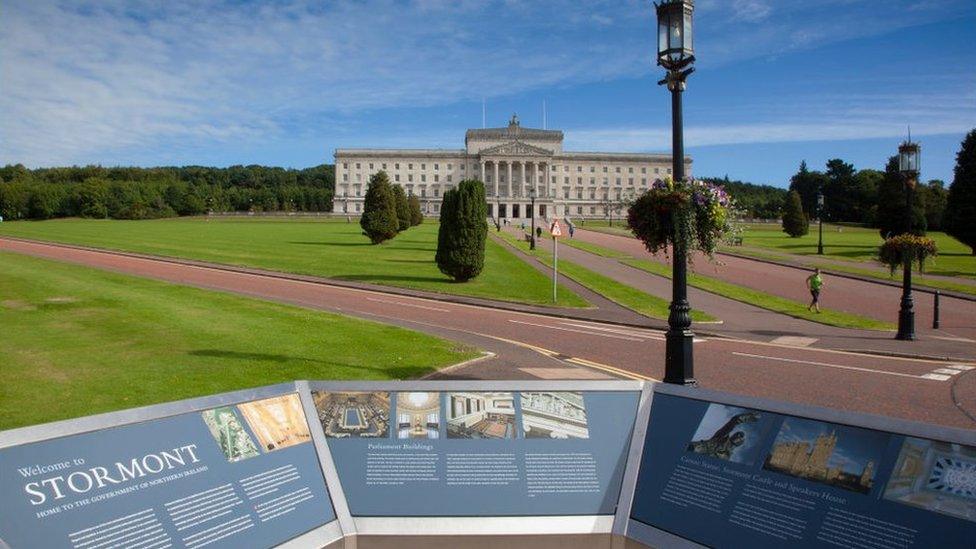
512, 162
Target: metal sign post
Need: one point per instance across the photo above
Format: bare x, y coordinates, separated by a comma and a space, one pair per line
556, 231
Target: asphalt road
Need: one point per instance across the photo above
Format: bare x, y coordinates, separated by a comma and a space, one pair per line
539, 346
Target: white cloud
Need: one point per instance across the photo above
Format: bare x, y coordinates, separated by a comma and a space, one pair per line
84, 80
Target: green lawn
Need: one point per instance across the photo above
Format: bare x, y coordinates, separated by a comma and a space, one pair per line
78, 341
764, 300
627, 296
857, 244
333, 249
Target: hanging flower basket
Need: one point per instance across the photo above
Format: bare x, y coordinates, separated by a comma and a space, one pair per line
892, 252
698, 213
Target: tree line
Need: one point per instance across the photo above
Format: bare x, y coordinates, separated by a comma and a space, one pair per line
878, 198
148, 193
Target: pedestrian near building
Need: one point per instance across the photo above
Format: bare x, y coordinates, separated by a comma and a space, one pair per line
814, 284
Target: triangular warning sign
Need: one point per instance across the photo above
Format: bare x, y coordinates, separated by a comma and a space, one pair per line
555, 230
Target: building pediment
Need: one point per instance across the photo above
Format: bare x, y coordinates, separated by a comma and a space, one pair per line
515, 148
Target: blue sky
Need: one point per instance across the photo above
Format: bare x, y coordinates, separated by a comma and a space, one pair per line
286, 82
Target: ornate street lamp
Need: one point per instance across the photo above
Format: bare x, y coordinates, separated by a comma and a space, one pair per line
675, 52
820, 211
532, 215
908, 164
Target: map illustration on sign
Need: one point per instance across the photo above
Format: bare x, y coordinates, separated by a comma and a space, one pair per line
228, 430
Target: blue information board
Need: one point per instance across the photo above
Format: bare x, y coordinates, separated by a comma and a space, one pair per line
244, 473
478, 453
724, 475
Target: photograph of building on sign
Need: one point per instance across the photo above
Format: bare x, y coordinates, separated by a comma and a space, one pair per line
729, 433
559, 415
418, 415
353, 414
230, 434
936, 476
278, 422
481, 415
836, 455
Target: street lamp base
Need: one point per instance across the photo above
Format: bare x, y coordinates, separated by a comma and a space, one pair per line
906, 325
679, 361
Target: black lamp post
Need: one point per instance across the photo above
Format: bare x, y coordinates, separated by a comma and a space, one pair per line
676, 54
532, 215
908, 165
820, 210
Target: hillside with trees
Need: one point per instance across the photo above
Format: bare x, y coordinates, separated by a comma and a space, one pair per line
147, 193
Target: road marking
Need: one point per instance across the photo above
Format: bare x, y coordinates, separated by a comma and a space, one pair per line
611, 369
962, 339
565, 373
407, 305
843, 367
620, 331
948, 371
962, 367
587, 332
795, 341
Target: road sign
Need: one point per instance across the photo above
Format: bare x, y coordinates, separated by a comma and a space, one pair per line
555, 230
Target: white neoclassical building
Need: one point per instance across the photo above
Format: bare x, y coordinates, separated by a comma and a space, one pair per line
513, 162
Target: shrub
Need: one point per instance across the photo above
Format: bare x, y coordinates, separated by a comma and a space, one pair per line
463, 231
795, 223
379, 220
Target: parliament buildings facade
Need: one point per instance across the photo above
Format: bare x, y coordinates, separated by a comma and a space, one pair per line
513, 162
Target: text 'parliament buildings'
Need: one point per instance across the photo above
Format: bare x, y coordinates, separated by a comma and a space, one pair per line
512, 161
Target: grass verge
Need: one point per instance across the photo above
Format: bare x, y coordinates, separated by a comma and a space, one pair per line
79, 341
328, 249
764, 300
627, 296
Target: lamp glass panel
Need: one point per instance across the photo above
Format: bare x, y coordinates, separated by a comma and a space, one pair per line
676, 32
662, 36
689, 46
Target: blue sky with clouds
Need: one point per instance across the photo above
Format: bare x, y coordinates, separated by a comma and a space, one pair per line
286, 82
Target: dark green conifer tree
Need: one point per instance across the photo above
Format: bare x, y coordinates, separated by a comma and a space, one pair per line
463, 231
416, 216
402, 208
795, 223
379, 220
960, 210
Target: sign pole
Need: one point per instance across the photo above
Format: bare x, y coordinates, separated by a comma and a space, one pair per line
555, 266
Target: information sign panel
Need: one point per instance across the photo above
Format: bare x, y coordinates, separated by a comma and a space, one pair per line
238, 474
724, 475
478, 453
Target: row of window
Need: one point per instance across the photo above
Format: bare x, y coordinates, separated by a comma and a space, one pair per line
450, 166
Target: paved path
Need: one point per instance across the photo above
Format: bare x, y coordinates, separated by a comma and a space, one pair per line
530, 345
958, 317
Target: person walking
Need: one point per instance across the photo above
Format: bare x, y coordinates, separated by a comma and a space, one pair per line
814, 284
572, 229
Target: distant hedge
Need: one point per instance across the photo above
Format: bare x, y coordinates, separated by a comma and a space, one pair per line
147, 193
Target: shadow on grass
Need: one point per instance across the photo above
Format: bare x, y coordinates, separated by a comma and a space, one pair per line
326, 243
395, 372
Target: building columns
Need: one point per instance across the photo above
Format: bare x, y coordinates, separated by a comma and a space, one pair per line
494, 180
508, 177
522, 179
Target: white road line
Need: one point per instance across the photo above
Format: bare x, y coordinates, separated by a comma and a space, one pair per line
587, 332
407, 305
843, 367
620, 331
949, 338
962, 367
937, 377
948, 371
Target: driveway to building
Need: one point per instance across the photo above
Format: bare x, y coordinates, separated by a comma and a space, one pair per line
880, 301
528, 345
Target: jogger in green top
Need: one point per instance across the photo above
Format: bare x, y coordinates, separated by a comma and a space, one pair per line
814, 283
